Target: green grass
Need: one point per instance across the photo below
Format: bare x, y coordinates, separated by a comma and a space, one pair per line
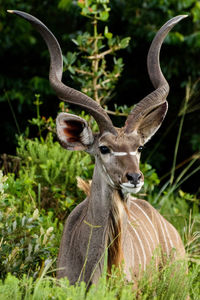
170, 283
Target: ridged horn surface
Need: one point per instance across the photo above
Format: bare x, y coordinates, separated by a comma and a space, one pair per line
159, 95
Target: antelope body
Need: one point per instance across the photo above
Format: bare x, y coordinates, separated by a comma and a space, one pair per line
109, 217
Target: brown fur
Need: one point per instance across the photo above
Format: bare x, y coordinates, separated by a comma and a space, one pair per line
115, 252
84, 185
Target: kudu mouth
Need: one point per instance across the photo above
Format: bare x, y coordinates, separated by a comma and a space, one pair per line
134, 184
125, 187
131, 188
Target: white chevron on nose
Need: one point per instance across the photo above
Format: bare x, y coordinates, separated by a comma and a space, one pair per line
119, 153
124, 153
133, 153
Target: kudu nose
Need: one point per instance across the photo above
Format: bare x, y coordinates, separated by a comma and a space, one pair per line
134, 178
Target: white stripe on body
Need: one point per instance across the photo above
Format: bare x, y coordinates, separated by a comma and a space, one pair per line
132, 252
146, 239
141, 245
176, 233
168, 235
139, 258
163, 233
156, 234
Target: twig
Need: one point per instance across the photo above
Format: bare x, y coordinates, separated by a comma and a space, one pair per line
84, 72
194, 156
13, 113
101, 55
115, 113
95, 63
100, 86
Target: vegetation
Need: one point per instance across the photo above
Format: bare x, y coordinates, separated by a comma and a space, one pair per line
38, 185
159, 287
89, 64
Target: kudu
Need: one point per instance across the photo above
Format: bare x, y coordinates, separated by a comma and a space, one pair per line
109, 217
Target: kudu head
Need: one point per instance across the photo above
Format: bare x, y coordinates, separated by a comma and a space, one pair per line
117, 151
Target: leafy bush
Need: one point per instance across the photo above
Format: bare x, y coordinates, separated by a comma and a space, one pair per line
27, 238
89, 65
53, 171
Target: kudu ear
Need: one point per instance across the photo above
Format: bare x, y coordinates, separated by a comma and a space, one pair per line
73, 132
150, 124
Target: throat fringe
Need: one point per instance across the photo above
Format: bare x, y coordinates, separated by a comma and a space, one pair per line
114, 240
114, 236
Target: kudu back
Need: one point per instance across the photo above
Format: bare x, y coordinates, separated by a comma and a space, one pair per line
109, 218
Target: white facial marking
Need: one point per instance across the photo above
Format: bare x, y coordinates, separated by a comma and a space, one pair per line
147, 217
133, 153
119, 153
124, 153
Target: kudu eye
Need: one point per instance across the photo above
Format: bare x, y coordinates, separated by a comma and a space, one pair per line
104, 149
140, 148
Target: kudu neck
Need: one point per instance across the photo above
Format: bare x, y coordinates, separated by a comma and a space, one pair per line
107, 209
101, 197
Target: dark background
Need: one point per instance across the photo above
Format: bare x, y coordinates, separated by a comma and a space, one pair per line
24, 64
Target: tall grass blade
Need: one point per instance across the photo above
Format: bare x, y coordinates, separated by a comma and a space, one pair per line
178, 139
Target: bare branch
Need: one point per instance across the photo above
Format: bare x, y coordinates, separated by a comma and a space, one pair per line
115, 113
101, 55
100, 85
84, 72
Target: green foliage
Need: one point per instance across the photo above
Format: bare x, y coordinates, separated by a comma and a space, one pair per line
159, 286
14, 31
97, 9
89, 66
53, 171
151, 178
183, 211
27, 240
31, 204
176, 208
